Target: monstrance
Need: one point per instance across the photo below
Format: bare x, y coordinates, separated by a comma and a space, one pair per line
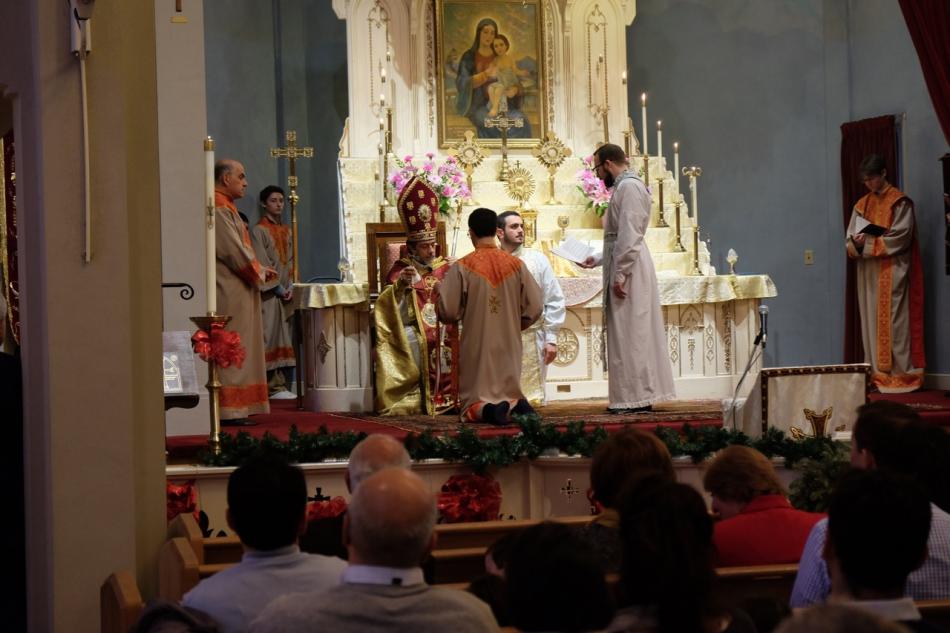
520, 186
470, 154
551, 152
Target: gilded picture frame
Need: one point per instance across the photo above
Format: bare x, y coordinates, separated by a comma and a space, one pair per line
490, 59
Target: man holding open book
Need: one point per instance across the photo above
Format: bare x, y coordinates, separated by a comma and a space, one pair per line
882, 238
639, 373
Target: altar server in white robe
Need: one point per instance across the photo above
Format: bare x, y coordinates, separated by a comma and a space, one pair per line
638, 365
539, 342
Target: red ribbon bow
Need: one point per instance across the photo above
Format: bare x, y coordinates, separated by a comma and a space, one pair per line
223, 346
326, 509
469, 498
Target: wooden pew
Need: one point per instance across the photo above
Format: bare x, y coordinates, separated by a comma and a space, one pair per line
208, 550
760, 581
120, 603
484, 533
936, 612
459, 554
179, 569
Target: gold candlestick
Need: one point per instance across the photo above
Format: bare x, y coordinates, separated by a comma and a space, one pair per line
678, 245
661, 220
696, 270
646, 169
206, 324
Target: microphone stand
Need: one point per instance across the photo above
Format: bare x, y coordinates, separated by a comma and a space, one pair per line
760, 340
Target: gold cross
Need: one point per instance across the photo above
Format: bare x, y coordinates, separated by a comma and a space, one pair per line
569, 490
292, 153
503, 123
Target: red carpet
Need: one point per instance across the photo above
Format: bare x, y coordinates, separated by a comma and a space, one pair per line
284, 414
932, 405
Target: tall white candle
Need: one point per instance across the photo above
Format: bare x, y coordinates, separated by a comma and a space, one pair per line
210, 256
643, 114
676, 163
659, 140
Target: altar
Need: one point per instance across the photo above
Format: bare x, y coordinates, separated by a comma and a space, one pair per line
407, 85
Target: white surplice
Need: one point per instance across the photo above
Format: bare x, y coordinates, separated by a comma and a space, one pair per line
545, 329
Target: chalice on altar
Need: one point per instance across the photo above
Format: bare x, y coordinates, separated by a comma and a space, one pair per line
563, 221
732, 257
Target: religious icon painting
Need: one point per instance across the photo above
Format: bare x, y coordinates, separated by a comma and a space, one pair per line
492, 71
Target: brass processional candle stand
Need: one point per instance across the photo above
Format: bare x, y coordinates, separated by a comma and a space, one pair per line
208, 324
212, 320
693, 173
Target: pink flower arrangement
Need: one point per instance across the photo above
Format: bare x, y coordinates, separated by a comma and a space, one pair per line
593, 188
446, 179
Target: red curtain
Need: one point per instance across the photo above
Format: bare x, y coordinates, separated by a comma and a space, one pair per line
858, 139
929, 24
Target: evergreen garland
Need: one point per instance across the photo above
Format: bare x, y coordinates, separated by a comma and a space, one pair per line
536, 437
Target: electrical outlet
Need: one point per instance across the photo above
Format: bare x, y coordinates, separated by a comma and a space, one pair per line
809, 257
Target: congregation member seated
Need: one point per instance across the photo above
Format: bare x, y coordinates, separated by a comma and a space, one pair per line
372, 454
757, 526
878, 526
837, 618
890, 436
554, 583
667, 576
389, 529
626, 455
267, 500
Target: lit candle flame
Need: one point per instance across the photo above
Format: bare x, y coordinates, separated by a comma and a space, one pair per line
643, 98
659, 124
623, 77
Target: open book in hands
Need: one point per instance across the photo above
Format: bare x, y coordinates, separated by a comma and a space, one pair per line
574, 250
869, 228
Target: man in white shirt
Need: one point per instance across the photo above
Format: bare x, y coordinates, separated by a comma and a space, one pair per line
539, 342
388, 531
267, 501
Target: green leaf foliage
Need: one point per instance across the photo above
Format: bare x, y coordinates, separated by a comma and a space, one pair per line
819, 457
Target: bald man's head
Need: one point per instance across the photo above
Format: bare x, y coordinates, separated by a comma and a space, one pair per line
390, 520
373, 454
230, 178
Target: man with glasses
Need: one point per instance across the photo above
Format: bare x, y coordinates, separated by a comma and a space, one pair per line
639, 371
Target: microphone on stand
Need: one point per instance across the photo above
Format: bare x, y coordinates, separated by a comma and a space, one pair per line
763, 334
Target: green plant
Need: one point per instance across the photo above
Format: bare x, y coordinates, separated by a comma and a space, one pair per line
819, 476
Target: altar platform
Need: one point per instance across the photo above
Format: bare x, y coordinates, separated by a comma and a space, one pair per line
284, 414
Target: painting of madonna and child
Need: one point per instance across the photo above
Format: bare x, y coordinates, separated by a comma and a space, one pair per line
491, 64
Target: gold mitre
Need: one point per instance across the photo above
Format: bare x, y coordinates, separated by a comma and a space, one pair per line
418, 208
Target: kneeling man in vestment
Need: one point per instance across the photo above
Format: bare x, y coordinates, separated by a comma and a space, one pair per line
495, 297
415, 354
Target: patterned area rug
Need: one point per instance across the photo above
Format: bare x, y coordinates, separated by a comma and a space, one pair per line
593, 412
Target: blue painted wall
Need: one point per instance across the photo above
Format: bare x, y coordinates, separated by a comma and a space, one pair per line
754, 90
886, 78
273, 66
